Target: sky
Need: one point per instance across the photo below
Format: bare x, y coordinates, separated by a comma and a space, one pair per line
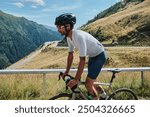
45, 11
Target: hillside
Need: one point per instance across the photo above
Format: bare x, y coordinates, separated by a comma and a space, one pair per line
125, 25
120, 6
50, 56
19, 37
129, 25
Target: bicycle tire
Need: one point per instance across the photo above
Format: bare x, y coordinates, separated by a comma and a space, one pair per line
61, 96
123, 94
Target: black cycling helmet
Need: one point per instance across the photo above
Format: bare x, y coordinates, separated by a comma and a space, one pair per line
66, 18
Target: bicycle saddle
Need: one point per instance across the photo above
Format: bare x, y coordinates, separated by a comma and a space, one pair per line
115, 70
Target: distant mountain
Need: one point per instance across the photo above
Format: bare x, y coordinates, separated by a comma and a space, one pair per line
125, 23
19, 37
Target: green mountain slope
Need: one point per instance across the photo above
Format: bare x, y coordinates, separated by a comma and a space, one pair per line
19, 37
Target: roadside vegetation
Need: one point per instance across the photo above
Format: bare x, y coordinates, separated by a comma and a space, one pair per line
30, 86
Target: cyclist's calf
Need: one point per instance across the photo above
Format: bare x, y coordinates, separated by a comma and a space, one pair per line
90, 88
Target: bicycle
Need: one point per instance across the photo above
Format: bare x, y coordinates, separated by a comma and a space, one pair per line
76, 92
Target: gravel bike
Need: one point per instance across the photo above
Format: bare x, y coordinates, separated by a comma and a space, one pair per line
76, 93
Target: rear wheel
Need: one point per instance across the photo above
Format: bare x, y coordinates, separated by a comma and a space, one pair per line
123, 94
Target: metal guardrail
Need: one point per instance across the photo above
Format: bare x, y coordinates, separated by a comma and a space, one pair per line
47, 71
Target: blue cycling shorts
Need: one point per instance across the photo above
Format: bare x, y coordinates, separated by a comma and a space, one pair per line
95, 65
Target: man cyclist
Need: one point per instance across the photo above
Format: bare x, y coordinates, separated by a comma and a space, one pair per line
87, 45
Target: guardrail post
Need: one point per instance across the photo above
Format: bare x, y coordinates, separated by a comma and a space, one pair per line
44, 84
142, 78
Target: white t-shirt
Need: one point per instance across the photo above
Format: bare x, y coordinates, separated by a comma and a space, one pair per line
85, 43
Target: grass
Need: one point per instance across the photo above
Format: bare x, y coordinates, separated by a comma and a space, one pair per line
128, 57
30, 86
123, 25
116, 57
130, 80
27, 86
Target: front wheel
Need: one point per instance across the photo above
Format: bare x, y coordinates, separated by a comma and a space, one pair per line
62, 96
123, 94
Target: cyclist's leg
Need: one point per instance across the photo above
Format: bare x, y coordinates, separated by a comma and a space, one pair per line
90, 88
99, 89
95, 65
102, 94
94, 90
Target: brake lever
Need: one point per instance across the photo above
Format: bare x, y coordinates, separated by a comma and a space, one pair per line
61, 73
66, 88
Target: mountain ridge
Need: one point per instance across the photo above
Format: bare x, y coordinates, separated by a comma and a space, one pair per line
126, 27
19, 37
122, 5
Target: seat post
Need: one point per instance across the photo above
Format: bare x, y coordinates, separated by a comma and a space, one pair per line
112, 78
113, 74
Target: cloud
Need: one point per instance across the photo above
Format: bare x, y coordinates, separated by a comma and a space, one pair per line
36, 2
60, 8
33, 6
18, 4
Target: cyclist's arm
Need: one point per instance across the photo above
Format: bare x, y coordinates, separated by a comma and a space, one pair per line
80, 68
69, 62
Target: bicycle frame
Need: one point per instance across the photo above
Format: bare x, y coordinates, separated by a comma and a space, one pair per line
79, 90
129, 94
104, 84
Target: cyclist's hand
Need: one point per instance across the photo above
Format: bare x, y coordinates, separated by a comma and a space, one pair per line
72, 83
